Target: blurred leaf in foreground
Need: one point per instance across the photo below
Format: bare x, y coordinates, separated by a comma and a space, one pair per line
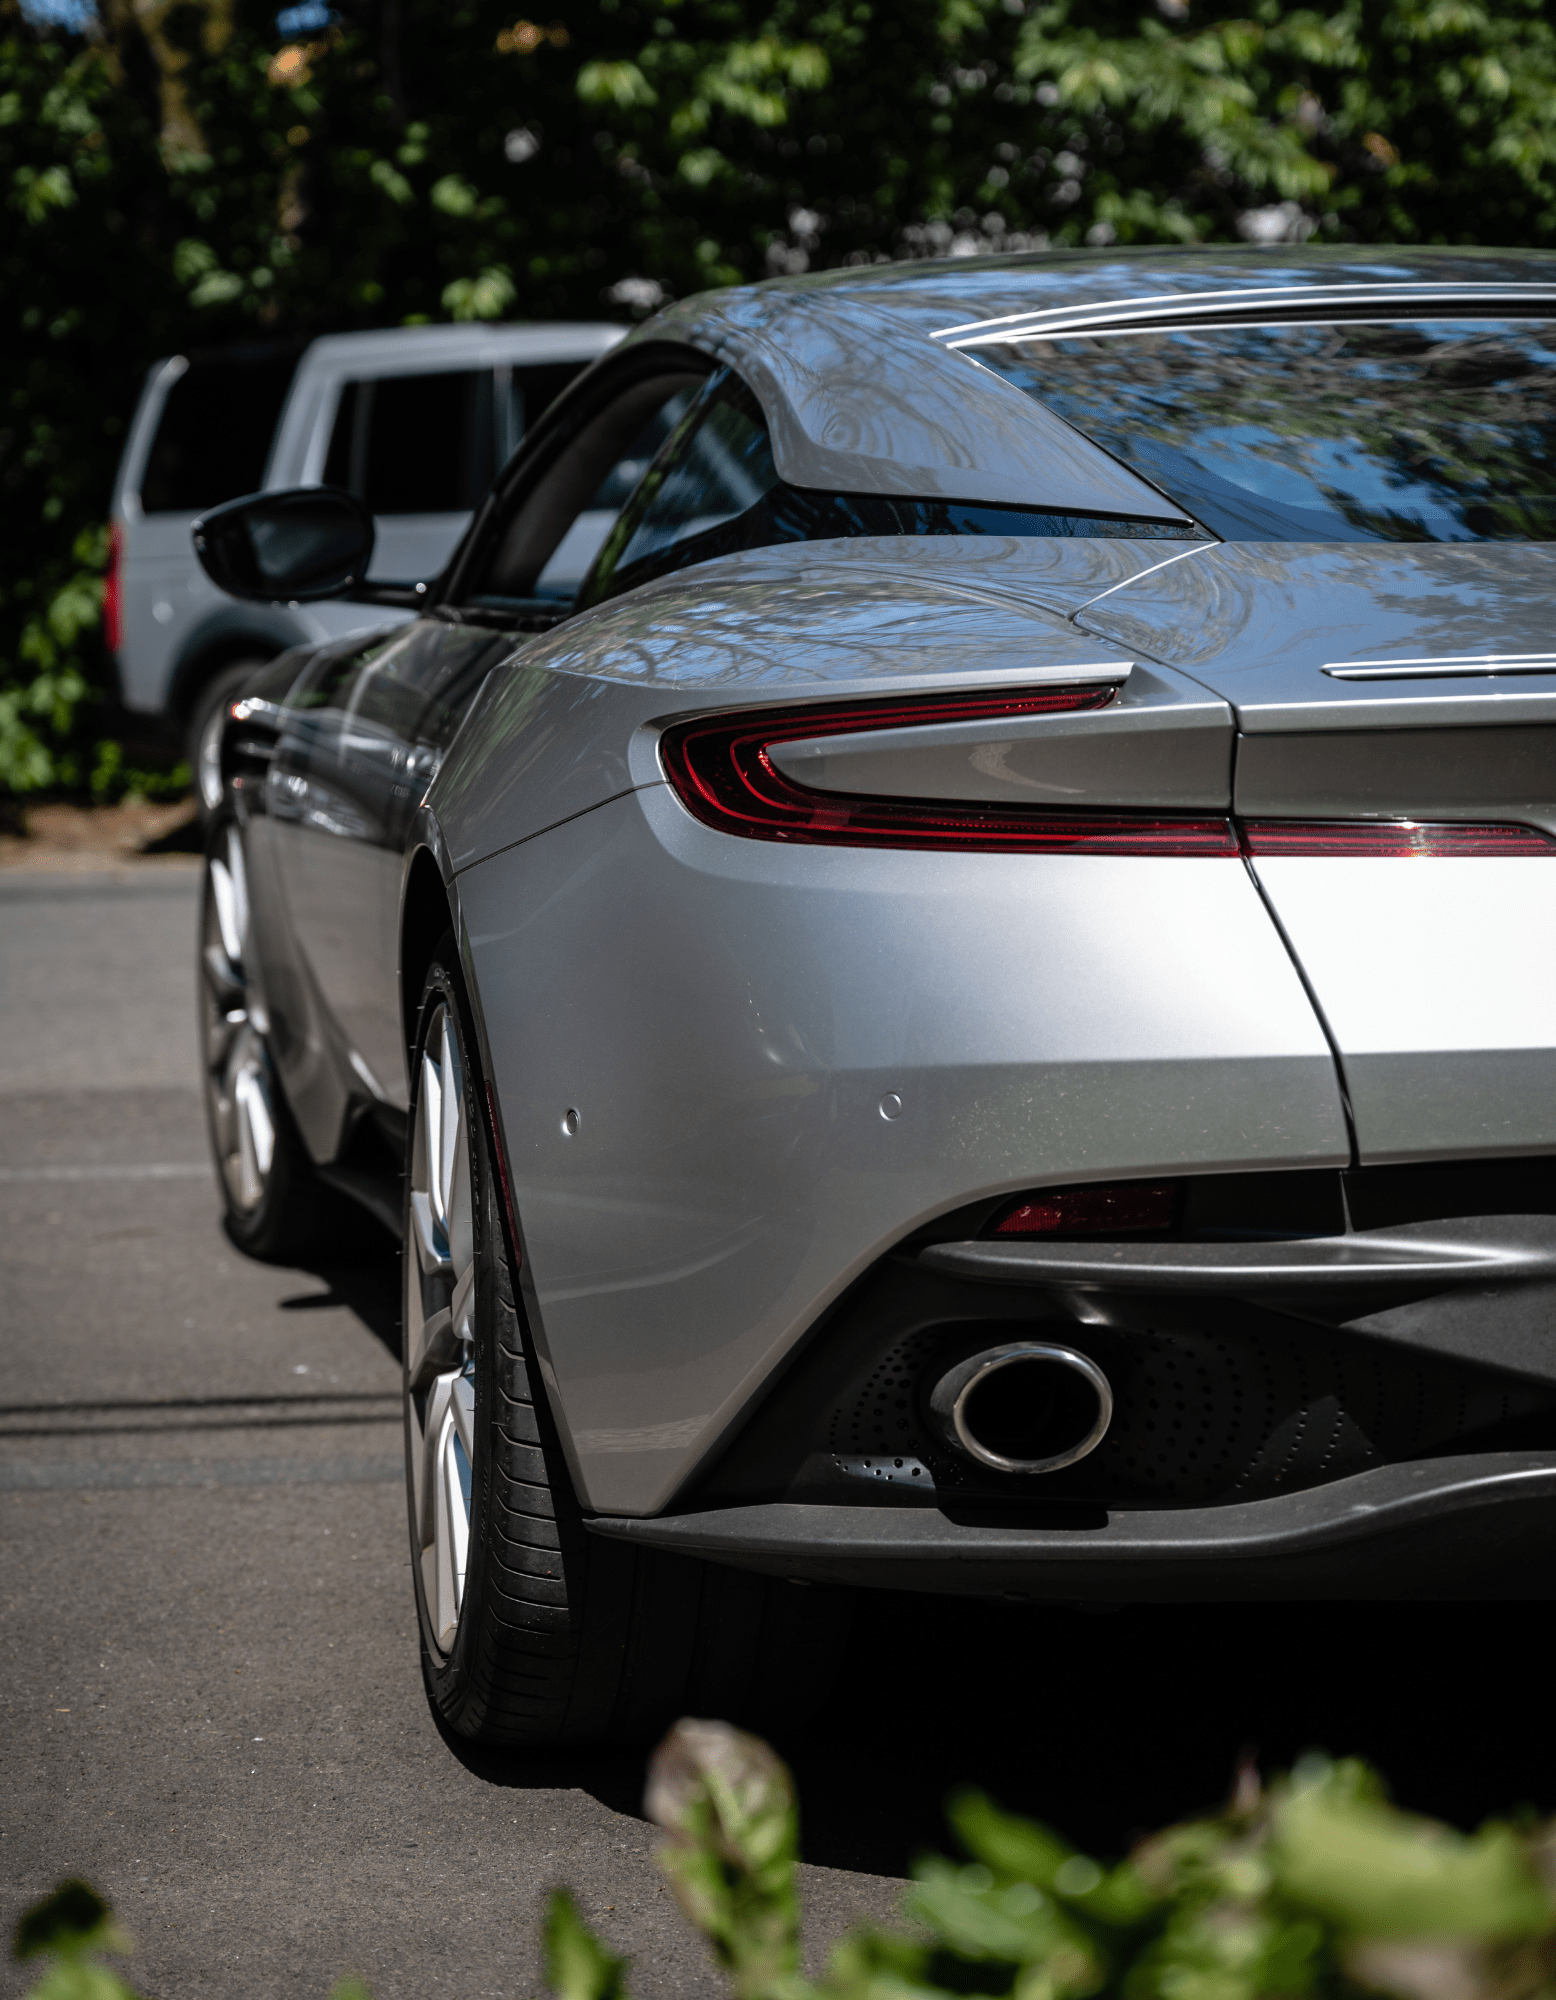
70, 1929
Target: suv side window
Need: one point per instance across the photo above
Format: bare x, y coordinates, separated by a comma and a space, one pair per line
431, 444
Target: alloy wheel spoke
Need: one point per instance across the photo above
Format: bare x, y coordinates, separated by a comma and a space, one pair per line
432, 1125
434, 1349
426, 1236
225, 896
452, 1109
440, 1302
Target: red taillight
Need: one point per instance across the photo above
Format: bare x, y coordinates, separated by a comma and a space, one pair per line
113, 600
721, 772
1396, 838
1095, 1211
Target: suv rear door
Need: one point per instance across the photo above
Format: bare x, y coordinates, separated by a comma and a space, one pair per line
421, 449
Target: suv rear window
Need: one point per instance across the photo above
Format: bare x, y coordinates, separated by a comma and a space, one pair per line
214, 433
431, 444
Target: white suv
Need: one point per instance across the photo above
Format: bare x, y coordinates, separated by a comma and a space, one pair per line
414, 421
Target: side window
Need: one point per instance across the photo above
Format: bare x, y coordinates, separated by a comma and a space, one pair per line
547, 546
432, 444
522, 395
715, 469
213, 436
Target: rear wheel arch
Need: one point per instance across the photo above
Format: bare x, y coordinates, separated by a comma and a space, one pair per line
426, 912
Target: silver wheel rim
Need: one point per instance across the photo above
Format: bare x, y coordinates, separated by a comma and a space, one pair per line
439, 1328
238, 1076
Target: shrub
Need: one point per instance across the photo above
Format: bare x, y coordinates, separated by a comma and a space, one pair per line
1313, 1886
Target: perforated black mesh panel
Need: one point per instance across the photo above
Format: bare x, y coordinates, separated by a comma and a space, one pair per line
1199, 1416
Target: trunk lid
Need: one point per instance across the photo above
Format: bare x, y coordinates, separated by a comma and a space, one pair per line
1385, 681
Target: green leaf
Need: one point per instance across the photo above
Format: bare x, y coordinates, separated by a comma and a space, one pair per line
1342, 1852
485, 297
452, 194
701, 166
726, 1803
396, 186
620, 83
578, 1966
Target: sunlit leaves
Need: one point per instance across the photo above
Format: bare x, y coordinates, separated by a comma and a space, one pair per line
394, 184
486, 296
620, 83
454, 195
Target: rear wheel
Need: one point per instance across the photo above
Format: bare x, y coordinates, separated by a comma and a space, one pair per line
532, 1630
275, 1206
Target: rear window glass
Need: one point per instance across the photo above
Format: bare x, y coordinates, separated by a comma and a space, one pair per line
1419, 430
431, 444
213, 437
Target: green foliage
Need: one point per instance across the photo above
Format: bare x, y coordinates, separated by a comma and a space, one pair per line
70, 1930
180, 179
578, 1966
1316, 1886
727, 1806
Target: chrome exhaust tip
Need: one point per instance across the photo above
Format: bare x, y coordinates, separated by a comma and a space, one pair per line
1031, 1406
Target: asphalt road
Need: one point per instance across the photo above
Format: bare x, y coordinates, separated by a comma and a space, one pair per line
212, 1703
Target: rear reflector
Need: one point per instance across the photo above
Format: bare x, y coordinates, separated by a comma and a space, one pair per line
721, 772
1405, 839
1096, 1211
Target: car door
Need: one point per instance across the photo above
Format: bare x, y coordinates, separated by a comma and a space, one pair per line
364, 730
350, 767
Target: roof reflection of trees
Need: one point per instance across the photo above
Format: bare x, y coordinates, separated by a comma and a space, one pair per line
1458, 423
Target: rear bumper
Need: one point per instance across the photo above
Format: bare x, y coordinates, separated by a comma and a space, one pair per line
1476, 1527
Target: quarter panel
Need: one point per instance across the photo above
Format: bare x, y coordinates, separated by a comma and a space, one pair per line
550, 735
1438, 980
725, 1018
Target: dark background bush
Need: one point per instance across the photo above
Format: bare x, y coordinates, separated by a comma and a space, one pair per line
182, 173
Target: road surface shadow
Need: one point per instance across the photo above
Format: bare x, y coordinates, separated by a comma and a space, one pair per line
362, 1273
1107, 1726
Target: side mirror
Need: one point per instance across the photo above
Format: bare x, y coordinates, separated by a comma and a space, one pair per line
303, 544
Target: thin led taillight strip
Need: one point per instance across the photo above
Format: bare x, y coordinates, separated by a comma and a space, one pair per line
1399, 839
720, 770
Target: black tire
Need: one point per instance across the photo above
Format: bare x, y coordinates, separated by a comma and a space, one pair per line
276, 1208
202, 737
563, 1637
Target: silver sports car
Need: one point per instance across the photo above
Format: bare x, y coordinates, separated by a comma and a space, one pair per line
942, 943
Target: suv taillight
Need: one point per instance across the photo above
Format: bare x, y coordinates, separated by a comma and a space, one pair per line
113, 598
721, 772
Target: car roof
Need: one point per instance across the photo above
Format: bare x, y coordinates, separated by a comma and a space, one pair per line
418, 348
868, 380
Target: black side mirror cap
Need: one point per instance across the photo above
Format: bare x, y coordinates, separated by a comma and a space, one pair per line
298, 545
